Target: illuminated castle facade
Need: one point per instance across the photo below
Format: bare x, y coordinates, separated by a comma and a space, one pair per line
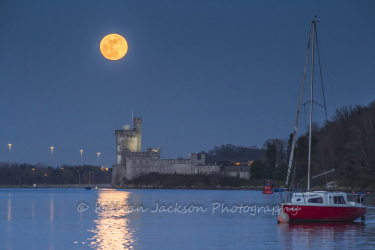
131, 161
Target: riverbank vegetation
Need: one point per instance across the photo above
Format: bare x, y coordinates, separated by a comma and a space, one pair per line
26, 174
199, 181
345, 143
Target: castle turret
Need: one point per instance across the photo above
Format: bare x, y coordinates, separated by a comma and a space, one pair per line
137, 126
128, 139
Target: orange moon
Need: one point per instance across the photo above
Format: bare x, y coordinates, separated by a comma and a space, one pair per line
113, 47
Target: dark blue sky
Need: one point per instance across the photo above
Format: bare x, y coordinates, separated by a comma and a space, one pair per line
199, 73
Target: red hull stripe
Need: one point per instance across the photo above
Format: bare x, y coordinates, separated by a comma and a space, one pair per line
323, 213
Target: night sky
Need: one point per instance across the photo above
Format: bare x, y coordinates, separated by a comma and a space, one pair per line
200, 73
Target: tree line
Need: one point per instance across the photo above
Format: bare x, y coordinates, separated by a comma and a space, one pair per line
268, 162
231, 152
27, 174
198, 181
345, 143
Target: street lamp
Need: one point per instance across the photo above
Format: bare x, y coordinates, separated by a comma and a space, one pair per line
52, 155
10, 153
98, 157
81, 155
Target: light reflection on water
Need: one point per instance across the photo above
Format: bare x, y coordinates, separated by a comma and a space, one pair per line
9, 217
111, 229
51, 209
51, 214
325, 235
49, 219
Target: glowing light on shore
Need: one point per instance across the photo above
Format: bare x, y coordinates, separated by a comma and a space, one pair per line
51, 155
10, 153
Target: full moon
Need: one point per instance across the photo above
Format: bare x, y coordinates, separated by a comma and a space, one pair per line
113, 47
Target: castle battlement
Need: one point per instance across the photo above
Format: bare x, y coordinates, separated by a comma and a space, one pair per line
176, 160
148, 153
125, 133
137, 154
137, 119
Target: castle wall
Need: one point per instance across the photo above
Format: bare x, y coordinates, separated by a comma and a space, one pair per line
118, 173
127, 139
131, 162
144, 165
242, 175
139, 163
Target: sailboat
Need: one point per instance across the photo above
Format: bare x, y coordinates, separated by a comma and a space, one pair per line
316, 206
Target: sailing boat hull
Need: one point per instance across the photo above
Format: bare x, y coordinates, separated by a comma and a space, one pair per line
307, 213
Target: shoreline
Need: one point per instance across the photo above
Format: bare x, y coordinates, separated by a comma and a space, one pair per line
57, 186
135, 187
62, 186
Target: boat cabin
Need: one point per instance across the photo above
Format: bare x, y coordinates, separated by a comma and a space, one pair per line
321, 198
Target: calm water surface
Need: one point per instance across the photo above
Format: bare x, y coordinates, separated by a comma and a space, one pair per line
140, 219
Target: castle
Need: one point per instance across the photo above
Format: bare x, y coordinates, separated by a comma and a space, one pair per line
131, 162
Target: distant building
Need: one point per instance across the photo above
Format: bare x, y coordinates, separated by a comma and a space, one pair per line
131, 161
235, 169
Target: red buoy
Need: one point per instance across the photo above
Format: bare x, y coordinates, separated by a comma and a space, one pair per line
268, 188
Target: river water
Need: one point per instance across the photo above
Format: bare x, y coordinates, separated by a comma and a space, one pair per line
164, 219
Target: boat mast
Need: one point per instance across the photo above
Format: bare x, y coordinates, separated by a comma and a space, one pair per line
311, 102
298, 113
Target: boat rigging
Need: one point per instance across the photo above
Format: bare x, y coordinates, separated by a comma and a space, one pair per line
318, 205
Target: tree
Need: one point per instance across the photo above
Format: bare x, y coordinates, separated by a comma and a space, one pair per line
257, 170
270, 159
230, 152
280, 172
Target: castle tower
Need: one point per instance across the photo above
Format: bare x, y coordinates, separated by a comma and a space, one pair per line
129, 139
137, 126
